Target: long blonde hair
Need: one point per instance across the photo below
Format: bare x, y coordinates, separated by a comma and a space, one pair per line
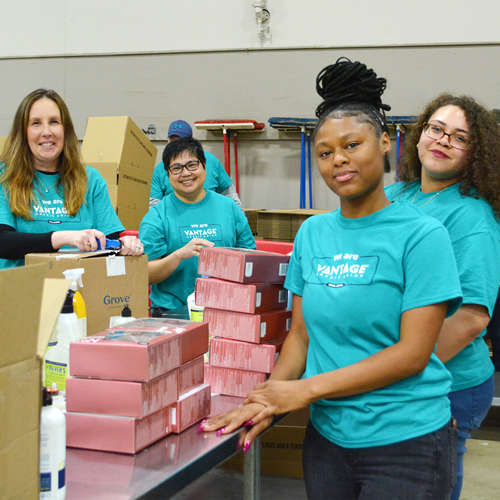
19, 173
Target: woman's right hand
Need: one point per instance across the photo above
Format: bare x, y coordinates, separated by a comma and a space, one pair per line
85, 240
192, 249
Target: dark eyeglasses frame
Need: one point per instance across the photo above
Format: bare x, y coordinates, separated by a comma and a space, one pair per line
189, 168
426, 127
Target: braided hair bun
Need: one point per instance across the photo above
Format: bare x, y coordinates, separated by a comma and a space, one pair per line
349, 82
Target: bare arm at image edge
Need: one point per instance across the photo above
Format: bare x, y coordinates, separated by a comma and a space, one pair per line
230, 192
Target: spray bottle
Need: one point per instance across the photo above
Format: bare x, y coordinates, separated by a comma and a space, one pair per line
52, 450
75, 275
57, 358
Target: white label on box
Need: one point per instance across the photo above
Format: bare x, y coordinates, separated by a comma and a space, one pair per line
258, 299
263, 329
115, 266
288, 324
283, 269
248, 269
173, 415
283, 296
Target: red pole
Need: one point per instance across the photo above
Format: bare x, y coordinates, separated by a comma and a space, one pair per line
236, 176
225, 151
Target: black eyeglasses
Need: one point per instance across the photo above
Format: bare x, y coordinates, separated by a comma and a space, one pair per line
456, 140
191, 166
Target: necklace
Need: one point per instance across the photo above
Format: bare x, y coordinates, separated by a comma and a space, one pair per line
49, 188
430, 199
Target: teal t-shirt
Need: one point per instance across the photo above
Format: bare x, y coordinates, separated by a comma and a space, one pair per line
217, 179
475, 236
356, 277
171, 224
49, 214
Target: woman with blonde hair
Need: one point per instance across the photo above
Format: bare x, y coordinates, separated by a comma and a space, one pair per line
49, 198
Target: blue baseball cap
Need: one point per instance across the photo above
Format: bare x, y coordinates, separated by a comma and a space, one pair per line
181, 129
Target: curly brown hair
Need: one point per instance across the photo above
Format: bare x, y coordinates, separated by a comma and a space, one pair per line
482, 175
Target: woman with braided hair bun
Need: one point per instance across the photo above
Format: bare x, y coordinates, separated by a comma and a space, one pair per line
364, 321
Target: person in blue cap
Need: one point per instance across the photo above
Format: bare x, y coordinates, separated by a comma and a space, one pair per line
217, 179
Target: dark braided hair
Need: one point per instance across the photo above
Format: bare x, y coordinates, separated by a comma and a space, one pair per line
351, 89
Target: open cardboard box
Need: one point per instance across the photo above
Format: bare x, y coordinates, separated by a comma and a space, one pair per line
126, 158
29, 307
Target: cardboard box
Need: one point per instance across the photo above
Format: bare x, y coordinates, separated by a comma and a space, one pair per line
243, 265
126, 158
281, 447
142, 360
3, 140
191, 374
191, 408
29, 307
232, 382
243, 355
193, 334
121, 398
112, 433
109, 283
257, 328
252, 215
252, 299
282, 225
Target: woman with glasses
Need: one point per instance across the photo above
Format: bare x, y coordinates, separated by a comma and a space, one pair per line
175, 229
450, 169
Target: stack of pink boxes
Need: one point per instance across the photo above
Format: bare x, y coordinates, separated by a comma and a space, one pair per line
245, 307
135, 384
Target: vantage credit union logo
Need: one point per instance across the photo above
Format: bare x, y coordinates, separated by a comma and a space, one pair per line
344, 269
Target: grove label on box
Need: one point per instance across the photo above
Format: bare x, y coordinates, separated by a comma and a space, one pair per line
255, 328
246, 298
139, 356
119, 397
112, 433
243, 265
232, 382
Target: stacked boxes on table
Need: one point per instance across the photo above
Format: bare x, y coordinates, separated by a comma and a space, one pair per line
134, 385
245, 307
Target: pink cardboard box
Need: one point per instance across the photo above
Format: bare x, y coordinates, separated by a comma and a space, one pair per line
191, 408
255, 328
243, 355
232, 382
243, 265
191, 374
121, 398
193, 335
119, 434
252, 299
145, 358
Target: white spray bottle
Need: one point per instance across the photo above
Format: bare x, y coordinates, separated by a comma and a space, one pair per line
56, 360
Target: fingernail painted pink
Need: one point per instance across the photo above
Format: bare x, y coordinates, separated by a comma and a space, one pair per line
220, 431
248, 424
247, 446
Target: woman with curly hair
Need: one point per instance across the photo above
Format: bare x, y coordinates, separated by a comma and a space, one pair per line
450, 169
48, 197
364, 320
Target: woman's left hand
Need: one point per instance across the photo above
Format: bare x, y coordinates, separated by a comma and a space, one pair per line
131, 246
280, 396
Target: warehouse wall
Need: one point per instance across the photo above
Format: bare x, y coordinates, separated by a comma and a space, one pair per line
248, 83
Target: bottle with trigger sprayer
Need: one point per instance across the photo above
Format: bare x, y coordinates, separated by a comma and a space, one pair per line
75, 275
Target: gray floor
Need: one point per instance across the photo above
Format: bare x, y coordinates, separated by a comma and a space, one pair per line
482, 474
